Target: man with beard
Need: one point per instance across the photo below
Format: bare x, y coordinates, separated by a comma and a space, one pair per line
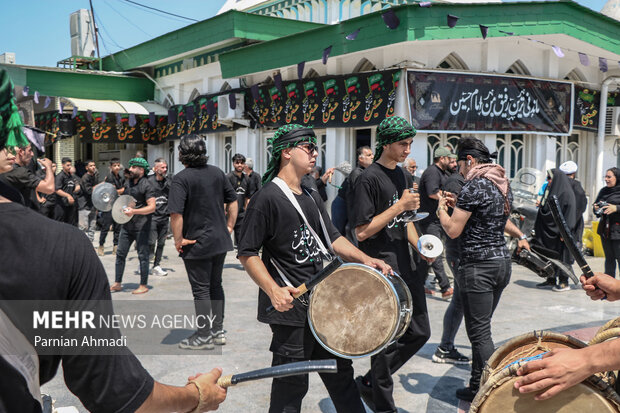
113, 177
274, 223
66, 195
411, 167
254, 177
364, 159
89, 180
159, 225
431, 182
381, 197
241, 184
139, 228
25, 181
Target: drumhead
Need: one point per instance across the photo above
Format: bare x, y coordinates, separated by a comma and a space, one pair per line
354, 312
527, 345
499, 395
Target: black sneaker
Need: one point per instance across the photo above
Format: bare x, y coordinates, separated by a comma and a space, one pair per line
466, 394
365, 391
546, 284
449, 356
219, 337
197, 342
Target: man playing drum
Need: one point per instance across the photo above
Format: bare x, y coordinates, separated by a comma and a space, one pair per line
381, 197
290, 241
563, 368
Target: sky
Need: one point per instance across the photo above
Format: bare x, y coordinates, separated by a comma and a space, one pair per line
38, 30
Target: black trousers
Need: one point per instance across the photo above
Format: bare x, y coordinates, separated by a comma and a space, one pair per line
106, 218
387, 362
67, 214
434, 228
205, 278
126, 238
481, 284
157, 239
611, 247
290, 344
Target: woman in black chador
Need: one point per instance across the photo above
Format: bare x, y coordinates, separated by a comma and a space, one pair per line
547, 233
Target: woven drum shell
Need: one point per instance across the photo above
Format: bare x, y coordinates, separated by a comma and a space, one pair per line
354, 311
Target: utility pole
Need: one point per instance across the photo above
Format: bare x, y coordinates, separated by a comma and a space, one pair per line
92, 12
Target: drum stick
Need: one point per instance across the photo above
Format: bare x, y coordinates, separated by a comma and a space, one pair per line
309, 285
290, 369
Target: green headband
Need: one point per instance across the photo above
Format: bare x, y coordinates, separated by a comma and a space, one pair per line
141, 162
286, 136
11, 135
392, 130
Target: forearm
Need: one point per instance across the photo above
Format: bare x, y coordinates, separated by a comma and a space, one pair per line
348, 252
48, 184
62, 193
604, 356
148, 209
512, 230
363, 232
176, 226
231, 214
256, 269
412, 235
166, 398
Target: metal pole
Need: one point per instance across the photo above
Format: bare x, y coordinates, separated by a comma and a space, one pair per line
92, 12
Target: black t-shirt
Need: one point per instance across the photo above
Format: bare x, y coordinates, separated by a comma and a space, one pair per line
483, 235
117, 180
377, 189
350, 195
431, 182
273, 223
241, 185
65, 182
199, 194
88, 183
22, 179
255, 183
141, 191
162, 192
66, 268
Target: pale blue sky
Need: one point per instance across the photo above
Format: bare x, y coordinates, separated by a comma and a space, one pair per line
38, 30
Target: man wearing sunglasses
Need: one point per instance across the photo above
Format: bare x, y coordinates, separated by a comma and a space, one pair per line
298, 246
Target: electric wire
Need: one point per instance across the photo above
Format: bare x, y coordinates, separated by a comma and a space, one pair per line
159, 10
129, 21
153, 13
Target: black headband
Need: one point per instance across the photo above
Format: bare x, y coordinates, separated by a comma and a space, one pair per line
475, 153
295, 134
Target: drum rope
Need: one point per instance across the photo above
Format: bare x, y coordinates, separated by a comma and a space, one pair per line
524, 354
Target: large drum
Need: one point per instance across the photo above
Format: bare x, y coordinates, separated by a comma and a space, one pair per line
498, 394
527, 345
357, 311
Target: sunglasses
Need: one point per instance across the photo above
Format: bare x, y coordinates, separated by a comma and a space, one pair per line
308, 148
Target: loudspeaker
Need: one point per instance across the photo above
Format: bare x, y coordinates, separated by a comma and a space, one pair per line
66, 125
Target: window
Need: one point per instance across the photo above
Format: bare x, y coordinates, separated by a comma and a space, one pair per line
364, 65
518, 68
452, 61
228, 153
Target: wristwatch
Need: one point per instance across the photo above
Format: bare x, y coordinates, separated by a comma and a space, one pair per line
522, 237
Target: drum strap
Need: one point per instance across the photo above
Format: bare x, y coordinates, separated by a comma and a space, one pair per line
289, 194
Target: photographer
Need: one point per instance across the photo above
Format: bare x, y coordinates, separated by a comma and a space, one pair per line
606, 207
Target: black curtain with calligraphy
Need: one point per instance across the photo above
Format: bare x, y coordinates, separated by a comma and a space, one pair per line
457, 102
587, 107
358, 99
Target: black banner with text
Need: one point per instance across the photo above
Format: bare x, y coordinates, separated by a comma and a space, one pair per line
460, 102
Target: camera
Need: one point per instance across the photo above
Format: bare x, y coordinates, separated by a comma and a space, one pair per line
600, 205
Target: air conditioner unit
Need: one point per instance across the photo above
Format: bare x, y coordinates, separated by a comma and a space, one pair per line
612, 121
82, 33
225, 113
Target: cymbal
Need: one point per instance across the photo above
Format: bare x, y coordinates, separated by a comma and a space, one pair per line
103, 196
430, 246
122, 202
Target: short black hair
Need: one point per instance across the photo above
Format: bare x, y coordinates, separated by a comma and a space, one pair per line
159, 160
467, 144
88, 161
65, 160
114, 160
238, 157
193, 151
